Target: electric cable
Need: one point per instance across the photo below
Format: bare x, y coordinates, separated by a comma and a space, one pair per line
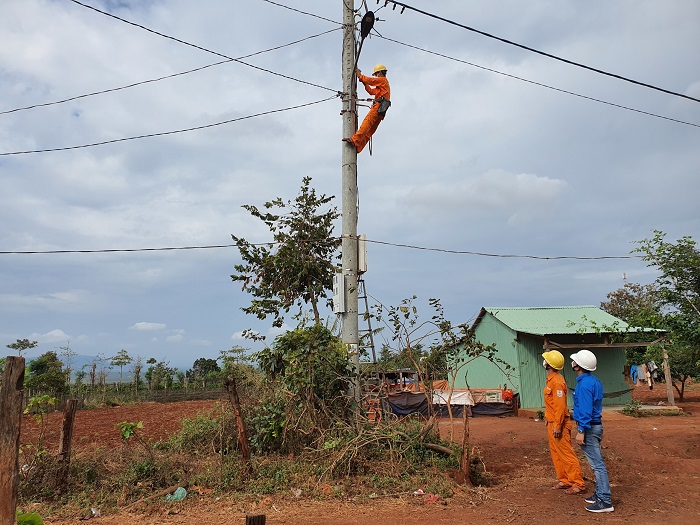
173, 132
548, 55
302, 12
332, 239
508, 256
202, 48
167, 76
539, 83
593, 99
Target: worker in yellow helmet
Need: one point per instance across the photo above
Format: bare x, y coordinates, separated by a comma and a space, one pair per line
377, 85
558, 421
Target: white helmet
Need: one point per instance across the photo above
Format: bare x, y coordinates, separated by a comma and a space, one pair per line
585, 359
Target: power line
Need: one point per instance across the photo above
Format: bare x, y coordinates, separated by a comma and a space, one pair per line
507, 256
200, 47
300, 11
509, 75
539, 83
168, 132
158, 79
121, 250
409, 246
549, 55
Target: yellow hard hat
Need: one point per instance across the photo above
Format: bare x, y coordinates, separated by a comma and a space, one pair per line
554, 359
379, 67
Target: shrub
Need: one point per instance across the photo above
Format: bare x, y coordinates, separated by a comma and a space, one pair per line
632, 408
267, 425
214, 432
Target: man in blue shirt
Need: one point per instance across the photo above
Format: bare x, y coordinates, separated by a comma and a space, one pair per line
588, 408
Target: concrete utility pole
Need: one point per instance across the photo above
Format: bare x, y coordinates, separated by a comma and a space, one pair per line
348, 316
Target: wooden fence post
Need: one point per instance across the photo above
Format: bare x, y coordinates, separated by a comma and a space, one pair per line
65, 445
255, 519
11, 390
667, 376
240, 422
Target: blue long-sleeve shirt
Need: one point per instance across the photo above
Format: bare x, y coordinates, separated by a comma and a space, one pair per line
588, 400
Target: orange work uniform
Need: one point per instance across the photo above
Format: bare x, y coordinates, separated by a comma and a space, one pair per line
556, 412
379, 87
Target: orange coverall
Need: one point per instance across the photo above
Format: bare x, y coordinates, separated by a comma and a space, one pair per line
379, 87
556, 414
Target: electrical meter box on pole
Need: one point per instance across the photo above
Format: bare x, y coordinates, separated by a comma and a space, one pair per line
338, 293
362, 254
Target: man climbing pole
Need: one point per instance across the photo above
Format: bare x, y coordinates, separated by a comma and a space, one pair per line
377, 85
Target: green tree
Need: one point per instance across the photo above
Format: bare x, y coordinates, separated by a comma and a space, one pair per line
203, 370
296, 268
79, 379
238, 363
678, 287
95, 369
679, 267
389, 359
22, 345
121, 360
45, 374
636, 304
411, 339
313, 365
67, 354
151, 362
136, 368
159, 375
639, 306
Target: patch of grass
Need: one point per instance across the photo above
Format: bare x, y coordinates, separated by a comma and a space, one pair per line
273, 477
632, 408
205, 434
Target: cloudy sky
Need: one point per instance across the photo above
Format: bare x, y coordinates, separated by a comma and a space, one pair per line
487, 148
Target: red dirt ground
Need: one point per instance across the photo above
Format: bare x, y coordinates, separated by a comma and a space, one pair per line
653, 462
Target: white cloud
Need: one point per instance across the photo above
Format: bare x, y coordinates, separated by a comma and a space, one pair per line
61, 301
53, 336
269, 334
176, 337
274, 332
495, 190
148, 327
238, 336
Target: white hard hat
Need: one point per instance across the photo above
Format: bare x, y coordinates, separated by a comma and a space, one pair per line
585, 359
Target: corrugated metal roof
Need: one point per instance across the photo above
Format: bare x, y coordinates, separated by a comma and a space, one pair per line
559, 320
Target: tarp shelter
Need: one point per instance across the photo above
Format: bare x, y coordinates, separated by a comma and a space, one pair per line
520, 335
408, 403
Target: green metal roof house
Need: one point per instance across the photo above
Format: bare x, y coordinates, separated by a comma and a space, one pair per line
520, 335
